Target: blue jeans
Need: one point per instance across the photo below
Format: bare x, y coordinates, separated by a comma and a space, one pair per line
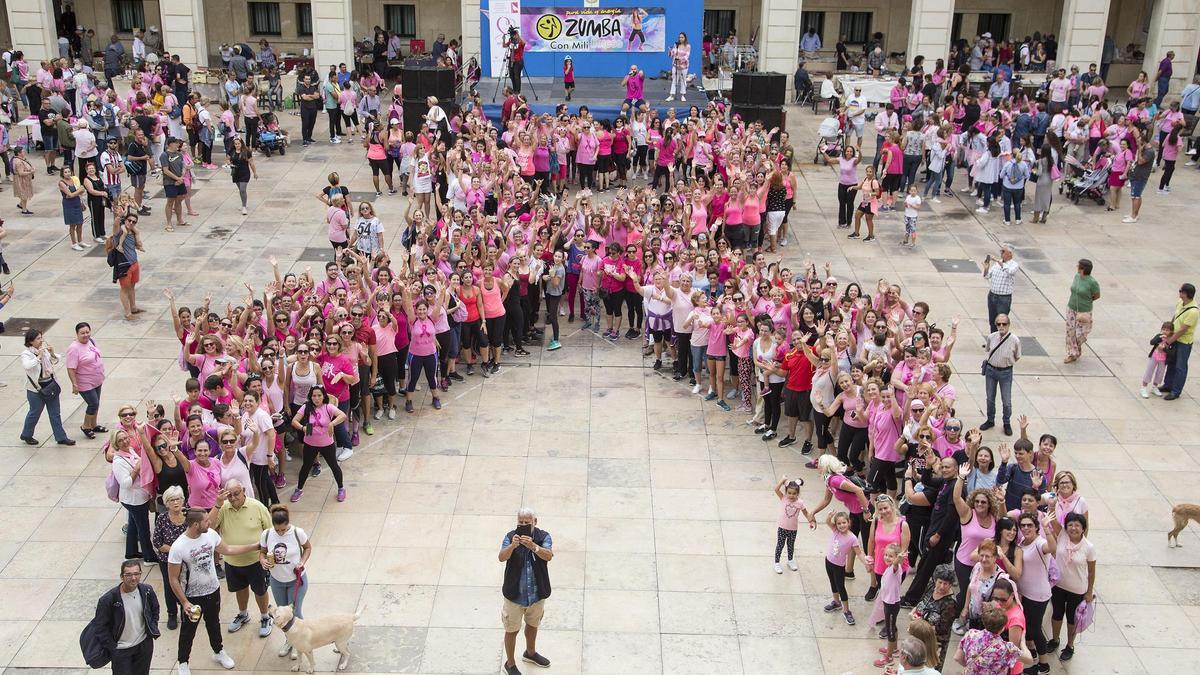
1177, 369
36, 404
878, 151
92, 398
911, 164
1004, 379
138, 533
285, 593
935, 184
997, 304
1012, 198
1164, 85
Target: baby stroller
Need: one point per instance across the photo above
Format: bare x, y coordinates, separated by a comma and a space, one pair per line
831, 138
271, 141
1092, 184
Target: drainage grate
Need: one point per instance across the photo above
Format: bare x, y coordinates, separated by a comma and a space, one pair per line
96, 251
18, 325
322, 254
162, 194
1031, 347
362, 196
955, 265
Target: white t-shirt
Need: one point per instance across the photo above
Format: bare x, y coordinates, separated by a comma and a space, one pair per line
196, 556
134, 630
260, 452
911, 204
1072, 565
286, 551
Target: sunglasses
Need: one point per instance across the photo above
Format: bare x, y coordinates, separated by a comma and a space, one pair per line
953, 428
333, 343
1001, 323
301, 351
228, 441
128, 414
356, 314
925, 437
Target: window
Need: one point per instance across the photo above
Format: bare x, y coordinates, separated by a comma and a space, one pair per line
264, 18
401, 20
856, 26
718, 22
956, 26
996, 24
303, 18
128, 15
813, 20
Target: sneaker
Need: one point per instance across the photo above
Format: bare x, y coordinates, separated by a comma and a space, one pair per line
368, 428
723, 405
1018, 221
1007, 223
243, 210
712, 396
1066, 654
833, 606
849, 618
670, 98
344, 454
377, 415
1051, 646
240, 619
1156, 391
657, 364
770, 435
882, 662
316, 470
341, 495
184, 669
981, 210
682, 98
536, 659
264, 627
437, 403
99, 240
868, 238
172, 622
871, 593
224, 659
959, 627
792, 566
456, 377
470, 369
296, 495
408, 406
783, 241
811, 464
1162, 191
987, 425
808, 446
512, 670
696, 388
391, 412
761, 429
935, 200
285, 649
280, 480
335, 140
787, 440
1007, 429
1129, 219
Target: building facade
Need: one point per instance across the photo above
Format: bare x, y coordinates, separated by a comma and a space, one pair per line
1142, 31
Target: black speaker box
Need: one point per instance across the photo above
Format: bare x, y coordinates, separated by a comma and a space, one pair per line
769, 115
421, 82
759, 88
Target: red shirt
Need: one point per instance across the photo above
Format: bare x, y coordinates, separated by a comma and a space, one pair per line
799, 370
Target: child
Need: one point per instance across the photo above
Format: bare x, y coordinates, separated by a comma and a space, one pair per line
912, 203
790, 506
1156, 365
887, 603
407, 152
568, 76
842, 546
271, 123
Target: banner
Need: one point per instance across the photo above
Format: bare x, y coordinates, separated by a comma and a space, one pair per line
594, 29
502, 15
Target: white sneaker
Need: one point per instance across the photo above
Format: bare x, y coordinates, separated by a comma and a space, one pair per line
682, 97
1018, 221
981, 210
783, 241
288, 453
1155, 391
378, 414
935, 200
671, 97
967, 189
1162, 192
696, 389
1145, 392
99, 240
1129, 219
77, 247
224, 659
778, 568
243, 210
959, 627
335, 140
185, 669
792, 566
1007, 223
285, 649
391, 413
978, 202
344, 454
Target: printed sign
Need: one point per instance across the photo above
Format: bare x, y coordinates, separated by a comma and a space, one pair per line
502, 17
588, 29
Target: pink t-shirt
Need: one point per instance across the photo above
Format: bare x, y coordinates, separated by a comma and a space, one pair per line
332, 365
338, 221
884, 430
203, 483
385, 338
85, 360
321, 433
422, 338
972, 535
849, 499
588, 267
789, 513
840, 545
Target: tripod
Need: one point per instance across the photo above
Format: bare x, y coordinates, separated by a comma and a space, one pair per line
505, 74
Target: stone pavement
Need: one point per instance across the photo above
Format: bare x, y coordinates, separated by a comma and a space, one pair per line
660, 505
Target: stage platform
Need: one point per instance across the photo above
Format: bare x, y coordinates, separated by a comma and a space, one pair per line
602, 95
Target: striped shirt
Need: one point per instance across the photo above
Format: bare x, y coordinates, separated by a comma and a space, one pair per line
1001, 276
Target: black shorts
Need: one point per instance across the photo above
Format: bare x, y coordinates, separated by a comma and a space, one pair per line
472, 335
612, 303
797, 404
380, 166
604, 163
622, 161
660, 336
174, 190
495, 332
883, 473
891, 182
239, 578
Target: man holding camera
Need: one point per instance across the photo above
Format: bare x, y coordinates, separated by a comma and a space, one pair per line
515, 45
524, 552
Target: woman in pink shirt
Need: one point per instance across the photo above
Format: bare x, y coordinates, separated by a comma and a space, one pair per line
604, 163
586, 152
338, 224
86, 369
1170, 148
883, 415
977, 519
423, 345
1122, 158
317, 419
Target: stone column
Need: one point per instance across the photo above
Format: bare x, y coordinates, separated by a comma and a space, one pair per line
471, 46
1174, 26
929, 31
33, 31
333, 33
1081, 33
183, 30
779, 38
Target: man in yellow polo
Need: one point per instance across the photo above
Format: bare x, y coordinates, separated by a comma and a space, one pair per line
1179, 342
242, 520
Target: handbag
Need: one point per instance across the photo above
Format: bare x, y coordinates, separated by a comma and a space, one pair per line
984, 365
47, 387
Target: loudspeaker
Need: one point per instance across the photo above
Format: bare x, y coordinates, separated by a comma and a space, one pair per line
769, 115
421, 82
759, 88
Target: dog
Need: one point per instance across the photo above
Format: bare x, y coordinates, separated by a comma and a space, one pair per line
305, 635
1182, 514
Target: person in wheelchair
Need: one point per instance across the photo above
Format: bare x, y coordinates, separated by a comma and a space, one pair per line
802, 83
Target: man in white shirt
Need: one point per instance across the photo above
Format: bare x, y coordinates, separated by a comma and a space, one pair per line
1000, 275
127, 621
139, 48
811, 42
856, 114
1059, 89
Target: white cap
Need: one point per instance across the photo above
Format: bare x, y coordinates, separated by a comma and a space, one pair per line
985, 35
153, 29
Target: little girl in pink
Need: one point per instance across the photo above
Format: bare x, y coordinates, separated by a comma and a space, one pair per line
1156, 362
887, 603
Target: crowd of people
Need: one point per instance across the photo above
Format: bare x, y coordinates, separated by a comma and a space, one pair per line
665, 230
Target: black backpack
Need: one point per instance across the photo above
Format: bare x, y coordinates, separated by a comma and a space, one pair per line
94, 647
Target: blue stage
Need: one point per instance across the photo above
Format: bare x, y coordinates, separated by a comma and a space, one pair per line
602, 95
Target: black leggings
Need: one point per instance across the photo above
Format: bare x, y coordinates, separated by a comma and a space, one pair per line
837, 582
389, 369
636, 309
785, 537
639, 158
427, 363
335, 122
890, 612
444, 340
96, 205
587, 178
251, 131
851, 443
1168, 171
329, 453
514, 323
821, 426
264, 487
683, 354
552, 313
1034, 613
663, 172
963, 574
772, 407
1064, 602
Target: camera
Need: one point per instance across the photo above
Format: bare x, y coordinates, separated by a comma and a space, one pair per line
512, 30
